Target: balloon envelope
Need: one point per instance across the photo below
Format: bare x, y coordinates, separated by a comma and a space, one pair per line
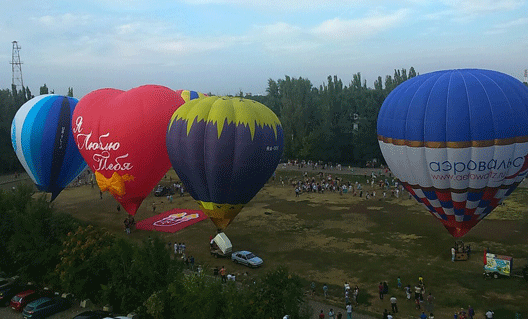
224, 150
121, 134
458, 141
44, 144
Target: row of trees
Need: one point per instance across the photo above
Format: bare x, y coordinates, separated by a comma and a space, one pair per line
51, 248
334, 122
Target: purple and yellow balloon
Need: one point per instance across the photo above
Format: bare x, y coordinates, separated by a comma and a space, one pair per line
224, 150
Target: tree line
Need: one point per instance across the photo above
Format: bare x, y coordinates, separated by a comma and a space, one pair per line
334, 122
55, 250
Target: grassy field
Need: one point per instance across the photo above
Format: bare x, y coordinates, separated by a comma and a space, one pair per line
331, 238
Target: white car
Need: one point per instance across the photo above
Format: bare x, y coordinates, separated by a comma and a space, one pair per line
247, 258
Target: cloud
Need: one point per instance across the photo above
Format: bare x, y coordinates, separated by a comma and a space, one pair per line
282, 38
357, 29
286, 5
506, 26
62, 22
438, 15
478, 7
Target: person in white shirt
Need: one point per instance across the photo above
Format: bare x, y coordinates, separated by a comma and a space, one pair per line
349, 311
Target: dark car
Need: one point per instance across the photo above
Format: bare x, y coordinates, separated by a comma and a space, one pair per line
7, 281
163, 191
3, 282
44, 307
10, 290
93, 314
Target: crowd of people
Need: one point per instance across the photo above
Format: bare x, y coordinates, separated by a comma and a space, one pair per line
424, 302
377, 186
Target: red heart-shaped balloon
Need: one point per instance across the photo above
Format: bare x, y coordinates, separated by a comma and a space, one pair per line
121, 135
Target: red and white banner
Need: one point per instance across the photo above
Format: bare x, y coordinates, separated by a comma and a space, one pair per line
172, 221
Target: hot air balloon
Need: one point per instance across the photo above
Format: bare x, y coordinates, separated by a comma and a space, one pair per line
458, 141
121, 134
224, 150
43, 142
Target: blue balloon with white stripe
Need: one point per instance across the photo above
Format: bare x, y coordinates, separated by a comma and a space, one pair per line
458, 141
43, 142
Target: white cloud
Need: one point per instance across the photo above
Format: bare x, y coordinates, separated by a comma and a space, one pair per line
507, 26
438, 15
188, 46
128, 28
64, 21
287, 5
282, 38
477, 7
357, 29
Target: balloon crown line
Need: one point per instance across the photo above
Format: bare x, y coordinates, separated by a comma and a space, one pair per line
227, 110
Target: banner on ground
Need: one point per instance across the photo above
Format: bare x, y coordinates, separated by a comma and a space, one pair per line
172, 221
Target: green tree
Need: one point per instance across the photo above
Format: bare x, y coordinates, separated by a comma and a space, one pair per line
32, 233
12, 205
70, 92
82, 268
298, 113
44, 89
136, 272
10, 102
273, 97
278, 293
29, 96
412, 72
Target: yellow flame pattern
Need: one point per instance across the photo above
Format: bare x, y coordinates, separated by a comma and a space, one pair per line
220, 214
226, 110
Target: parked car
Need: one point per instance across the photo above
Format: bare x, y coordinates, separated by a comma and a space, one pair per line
44, 307
93, 314
10, 290
20, 300
8, 281
163, 191
3, 281
247, 258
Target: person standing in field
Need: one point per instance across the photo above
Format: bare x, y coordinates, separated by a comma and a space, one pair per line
394, 305
349, 311
223, 274
408, 292
429, 306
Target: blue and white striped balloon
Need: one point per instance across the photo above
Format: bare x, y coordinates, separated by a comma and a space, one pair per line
43, 142
458, 141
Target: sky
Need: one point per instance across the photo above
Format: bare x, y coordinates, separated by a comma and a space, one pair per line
227, 46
